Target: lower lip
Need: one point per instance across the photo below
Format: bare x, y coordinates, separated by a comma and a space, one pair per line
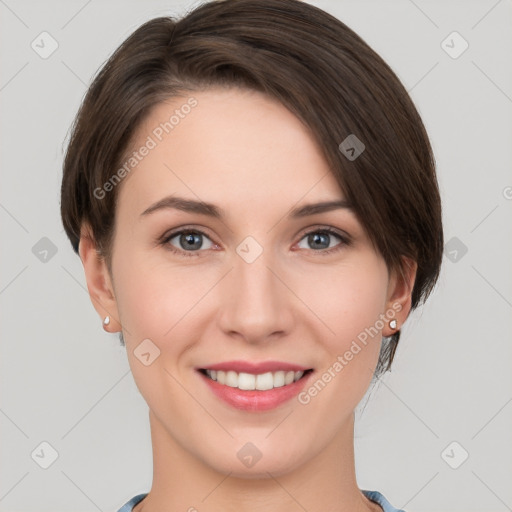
255, 400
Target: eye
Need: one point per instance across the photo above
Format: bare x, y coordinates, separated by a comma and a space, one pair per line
188, 242
321, 240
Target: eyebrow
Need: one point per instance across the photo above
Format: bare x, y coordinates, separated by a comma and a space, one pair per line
211, 210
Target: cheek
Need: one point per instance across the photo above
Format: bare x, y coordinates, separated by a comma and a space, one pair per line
348, 300
152, 296
152, 301
341, 301
350, 303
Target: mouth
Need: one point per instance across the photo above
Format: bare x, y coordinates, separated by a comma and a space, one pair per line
252, 382
255, 387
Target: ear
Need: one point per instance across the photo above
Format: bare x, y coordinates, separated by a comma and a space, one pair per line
98, 280
399, 294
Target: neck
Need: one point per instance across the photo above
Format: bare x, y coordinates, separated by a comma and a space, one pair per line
181, 481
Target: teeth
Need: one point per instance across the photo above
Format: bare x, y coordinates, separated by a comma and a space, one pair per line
289, 377
249, 381
265, 381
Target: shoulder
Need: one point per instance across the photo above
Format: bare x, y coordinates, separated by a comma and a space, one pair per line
377, 497
128, 506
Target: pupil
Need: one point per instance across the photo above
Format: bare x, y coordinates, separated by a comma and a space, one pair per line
191, 240
316, 238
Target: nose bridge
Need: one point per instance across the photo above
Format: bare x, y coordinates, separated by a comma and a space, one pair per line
254, 302
255, 280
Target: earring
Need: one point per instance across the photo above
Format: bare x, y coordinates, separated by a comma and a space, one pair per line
106, 321
392, 324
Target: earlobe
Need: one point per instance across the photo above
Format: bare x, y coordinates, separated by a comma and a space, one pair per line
400, 295
98, 281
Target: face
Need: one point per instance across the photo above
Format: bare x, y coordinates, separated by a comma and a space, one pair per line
256, 284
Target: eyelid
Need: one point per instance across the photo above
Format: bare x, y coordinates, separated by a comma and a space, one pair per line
186, 228
302, 233
326, 227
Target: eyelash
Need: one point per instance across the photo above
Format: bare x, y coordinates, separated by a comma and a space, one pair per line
345, 241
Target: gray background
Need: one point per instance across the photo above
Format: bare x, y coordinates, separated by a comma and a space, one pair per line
67, 382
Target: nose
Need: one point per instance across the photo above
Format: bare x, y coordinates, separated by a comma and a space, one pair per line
256, 305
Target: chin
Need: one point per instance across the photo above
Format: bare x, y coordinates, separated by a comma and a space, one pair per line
259, 467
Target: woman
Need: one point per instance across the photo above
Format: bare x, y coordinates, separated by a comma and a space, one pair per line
253, 196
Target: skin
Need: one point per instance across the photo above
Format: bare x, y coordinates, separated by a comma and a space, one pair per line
253, 158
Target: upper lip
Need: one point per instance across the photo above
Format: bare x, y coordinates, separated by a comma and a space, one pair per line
255, 368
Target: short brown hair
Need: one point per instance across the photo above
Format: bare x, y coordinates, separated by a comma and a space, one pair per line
315, 66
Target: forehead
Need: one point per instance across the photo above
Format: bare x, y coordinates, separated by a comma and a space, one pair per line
223, 145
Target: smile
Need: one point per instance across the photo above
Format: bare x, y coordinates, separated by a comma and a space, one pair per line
249, 381
261, 390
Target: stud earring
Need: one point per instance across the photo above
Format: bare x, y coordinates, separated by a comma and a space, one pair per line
393, 324
106, 321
